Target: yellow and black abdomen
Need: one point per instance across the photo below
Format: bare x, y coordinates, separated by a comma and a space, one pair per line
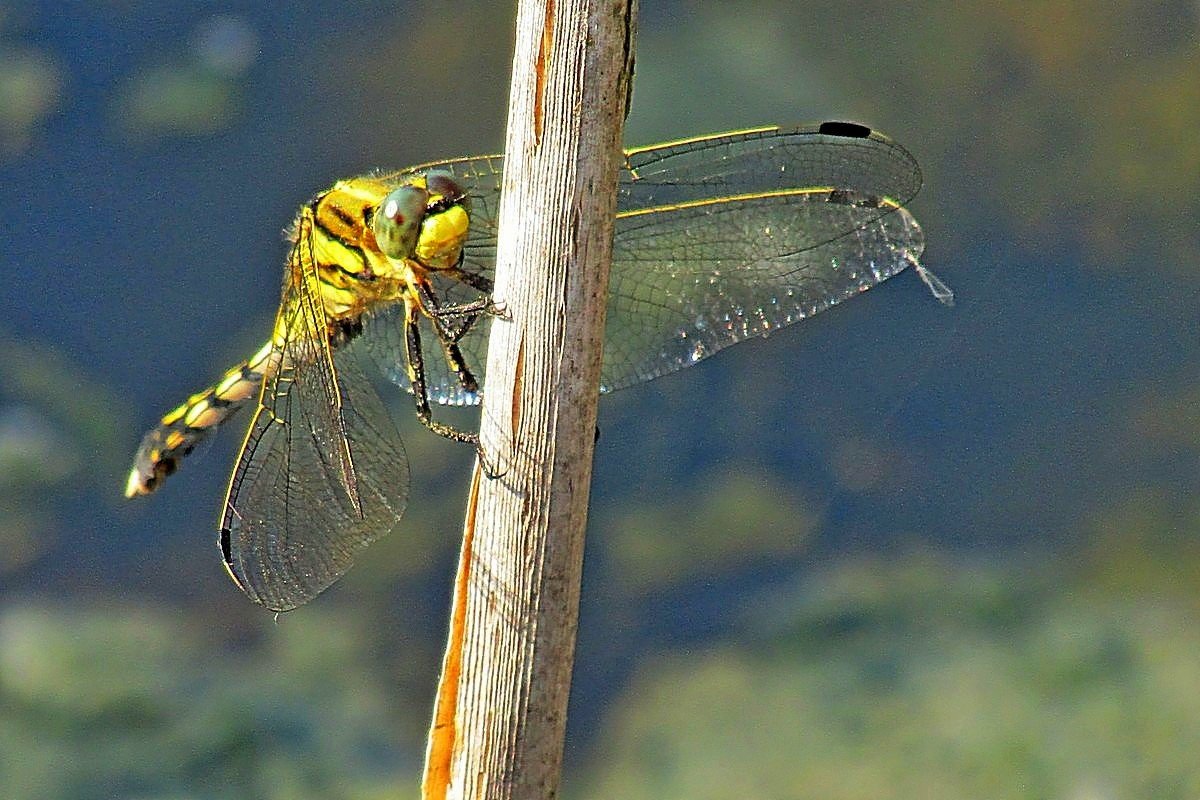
178, 433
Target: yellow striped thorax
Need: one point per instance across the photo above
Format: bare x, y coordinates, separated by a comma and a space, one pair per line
372, 240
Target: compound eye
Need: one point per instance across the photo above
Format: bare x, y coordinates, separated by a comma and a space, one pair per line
443, 183
397, 222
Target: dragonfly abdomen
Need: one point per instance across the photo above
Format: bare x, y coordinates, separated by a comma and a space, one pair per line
179, 431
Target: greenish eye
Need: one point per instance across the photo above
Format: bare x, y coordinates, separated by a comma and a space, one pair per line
397, 221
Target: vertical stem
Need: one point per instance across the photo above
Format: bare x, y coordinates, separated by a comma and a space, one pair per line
514, 645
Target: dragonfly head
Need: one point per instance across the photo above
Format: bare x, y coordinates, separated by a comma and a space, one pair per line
426, 219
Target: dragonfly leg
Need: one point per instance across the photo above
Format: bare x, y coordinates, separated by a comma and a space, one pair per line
456, 320
471, 310
454, 358
452, 321
483, 305
416, 376
479, 283
449, 334
455, 331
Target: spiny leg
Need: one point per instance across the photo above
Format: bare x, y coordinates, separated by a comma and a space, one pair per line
480, 283
454, 358
454, 321
470, 312
416, 376
450, 334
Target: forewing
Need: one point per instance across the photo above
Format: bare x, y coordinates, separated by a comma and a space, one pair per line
307, 349
766, 160
718, 238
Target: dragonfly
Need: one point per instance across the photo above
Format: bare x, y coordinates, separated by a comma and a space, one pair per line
718, 239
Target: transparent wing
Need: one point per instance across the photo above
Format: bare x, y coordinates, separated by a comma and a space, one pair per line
697, 279
718, 238
322, 472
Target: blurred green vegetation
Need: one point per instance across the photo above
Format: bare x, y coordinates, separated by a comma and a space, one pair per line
103, 701
31, 84
905, 677
1070, 119
176, 99
921, 678
196, 94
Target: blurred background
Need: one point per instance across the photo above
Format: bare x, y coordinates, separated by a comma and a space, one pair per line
898, 551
